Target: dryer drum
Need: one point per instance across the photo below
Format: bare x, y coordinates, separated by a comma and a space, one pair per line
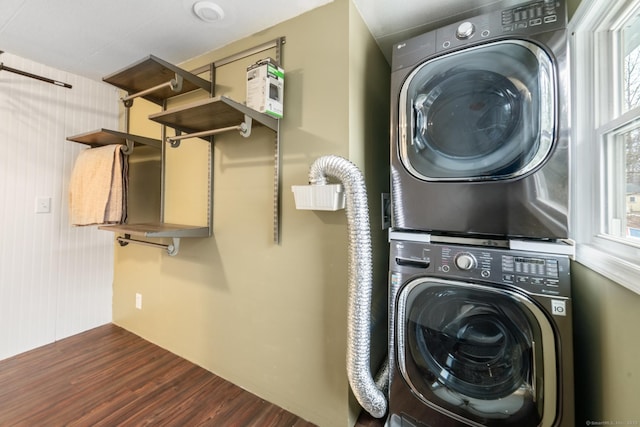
483, 114
481, 110
479, 347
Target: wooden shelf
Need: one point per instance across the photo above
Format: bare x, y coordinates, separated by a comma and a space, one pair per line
158, 230
153, 71
102, 137
212, 113
156, 80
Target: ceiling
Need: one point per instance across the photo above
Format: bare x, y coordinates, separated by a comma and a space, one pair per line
94, 38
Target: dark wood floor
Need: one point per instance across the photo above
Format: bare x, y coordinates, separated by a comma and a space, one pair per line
110, 377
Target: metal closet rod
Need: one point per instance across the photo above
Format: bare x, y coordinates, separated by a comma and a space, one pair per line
34, 76
171, 249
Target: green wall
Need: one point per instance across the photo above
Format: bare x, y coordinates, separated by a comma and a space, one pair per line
269, 318
272, 318
607, 350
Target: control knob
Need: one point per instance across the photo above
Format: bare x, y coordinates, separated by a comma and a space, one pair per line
465, 30
465, 261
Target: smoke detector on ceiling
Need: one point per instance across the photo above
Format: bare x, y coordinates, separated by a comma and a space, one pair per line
208, 11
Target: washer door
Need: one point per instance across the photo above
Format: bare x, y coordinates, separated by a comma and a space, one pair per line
483, 113
482, 355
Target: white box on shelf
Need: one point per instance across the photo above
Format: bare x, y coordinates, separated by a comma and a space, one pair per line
329, 197
265, 87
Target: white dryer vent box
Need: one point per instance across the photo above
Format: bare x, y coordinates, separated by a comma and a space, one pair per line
265, 87
328, 197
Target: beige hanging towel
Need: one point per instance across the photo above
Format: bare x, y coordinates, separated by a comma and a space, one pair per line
98, 186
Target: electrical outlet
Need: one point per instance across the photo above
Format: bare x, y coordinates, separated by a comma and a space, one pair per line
43, 204
139, 301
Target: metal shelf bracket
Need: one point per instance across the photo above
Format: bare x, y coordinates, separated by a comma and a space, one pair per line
245, 127
128, 148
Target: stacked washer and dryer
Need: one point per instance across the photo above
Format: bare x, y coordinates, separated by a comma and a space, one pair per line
480, 299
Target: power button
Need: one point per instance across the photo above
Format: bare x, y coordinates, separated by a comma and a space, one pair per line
465, 30
465, 261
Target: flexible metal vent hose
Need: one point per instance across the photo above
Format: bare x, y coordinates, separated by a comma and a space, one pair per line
398, 219
370, 395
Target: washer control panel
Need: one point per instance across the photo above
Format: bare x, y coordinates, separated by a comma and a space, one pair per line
533, 272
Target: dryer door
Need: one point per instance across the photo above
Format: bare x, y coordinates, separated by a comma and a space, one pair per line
483, 113
483, 355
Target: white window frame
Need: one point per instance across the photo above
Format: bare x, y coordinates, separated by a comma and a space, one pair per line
615, 258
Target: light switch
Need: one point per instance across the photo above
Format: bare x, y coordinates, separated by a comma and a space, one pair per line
43, 205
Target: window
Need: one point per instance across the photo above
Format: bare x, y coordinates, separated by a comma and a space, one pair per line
606, 172
622, 164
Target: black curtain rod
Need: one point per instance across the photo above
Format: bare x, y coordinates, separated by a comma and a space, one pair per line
34, 76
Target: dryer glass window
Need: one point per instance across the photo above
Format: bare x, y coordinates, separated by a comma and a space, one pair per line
484, 113
473, 352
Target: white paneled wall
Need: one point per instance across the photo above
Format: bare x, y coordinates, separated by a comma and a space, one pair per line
55, 279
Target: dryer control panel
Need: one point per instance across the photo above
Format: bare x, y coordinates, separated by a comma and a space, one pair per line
528, 18
531, 15
537, 273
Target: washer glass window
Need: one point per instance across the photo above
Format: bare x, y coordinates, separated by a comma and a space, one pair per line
483, 113
472, 351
